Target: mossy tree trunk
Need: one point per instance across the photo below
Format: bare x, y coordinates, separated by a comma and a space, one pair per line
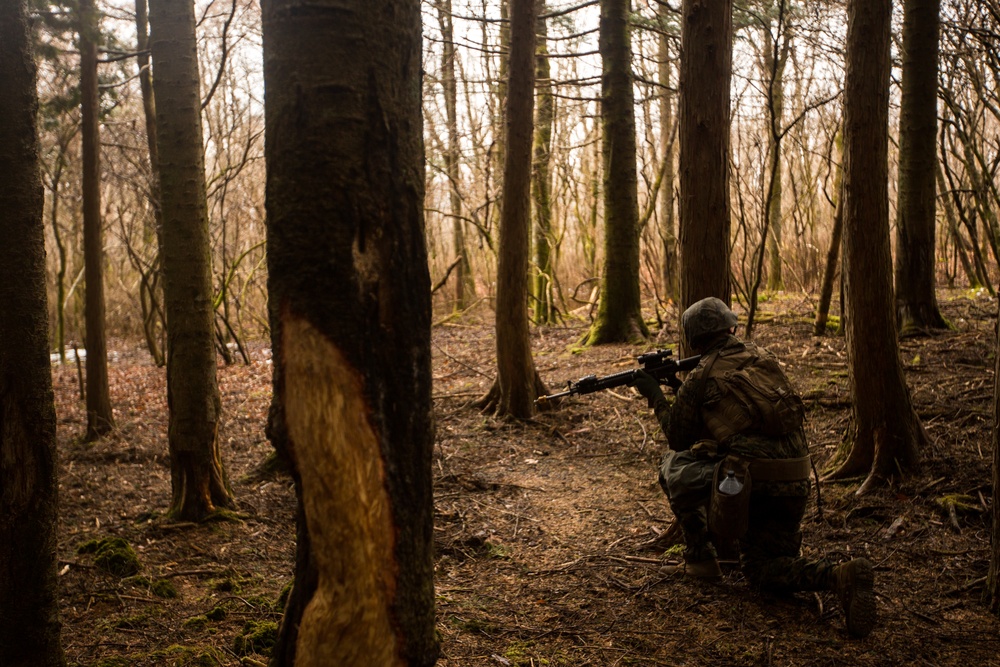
619, 313
197, 475
100, 419
544, 284
29, 600
885, 436
916, 261
350, 312
706, 70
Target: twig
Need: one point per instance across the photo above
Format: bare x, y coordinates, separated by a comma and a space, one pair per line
968, 586
439, 284
463, 364
926, 487
189, 573
645, 435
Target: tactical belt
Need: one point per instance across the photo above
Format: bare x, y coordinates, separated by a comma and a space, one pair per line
780, 470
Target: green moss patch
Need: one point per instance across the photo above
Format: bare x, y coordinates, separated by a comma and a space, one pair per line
216, 614
113, 555
256, 637
283, 596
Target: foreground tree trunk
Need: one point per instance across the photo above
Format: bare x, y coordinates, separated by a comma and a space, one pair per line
100, 419
349, 303
619, 314
517, 384
197, 475
706, 69
993, 575
916, 261
885, 436
29, 609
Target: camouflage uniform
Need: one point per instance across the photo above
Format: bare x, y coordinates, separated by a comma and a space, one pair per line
769, 552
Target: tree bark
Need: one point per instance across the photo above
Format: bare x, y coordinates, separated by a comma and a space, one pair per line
774, 62
152, 323
832, 264
885, 437
100, 419
29, 602
706, 69
463, 277
517, 384
349, 303
619, 314
993, 574
668, 131
544, 297
916, 261
197, 475
961, 245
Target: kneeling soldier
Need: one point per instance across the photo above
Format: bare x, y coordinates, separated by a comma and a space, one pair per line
738, 467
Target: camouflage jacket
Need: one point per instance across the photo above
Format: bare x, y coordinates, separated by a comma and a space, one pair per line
684, 424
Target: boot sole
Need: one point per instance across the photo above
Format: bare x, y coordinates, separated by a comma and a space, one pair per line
861, 612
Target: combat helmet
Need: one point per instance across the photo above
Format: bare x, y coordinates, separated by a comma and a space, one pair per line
706, 317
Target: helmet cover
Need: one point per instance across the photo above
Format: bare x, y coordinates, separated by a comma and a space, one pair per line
708, 316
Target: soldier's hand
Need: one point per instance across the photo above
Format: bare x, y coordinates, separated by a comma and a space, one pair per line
647, 385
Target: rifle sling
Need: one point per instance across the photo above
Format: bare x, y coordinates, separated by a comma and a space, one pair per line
780, 470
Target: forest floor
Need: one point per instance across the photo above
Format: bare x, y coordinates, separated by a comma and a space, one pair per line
549, 533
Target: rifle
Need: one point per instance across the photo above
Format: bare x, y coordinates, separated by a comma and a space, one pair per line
659, 364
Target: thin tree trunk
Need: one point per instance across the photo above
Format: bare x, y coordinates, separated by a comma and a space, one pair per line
29, 592
463, 277
197, 475
832, 264
151, 320
776, 56
961, 245
100, 419
970, 225
668, 131
350, 312
544, 299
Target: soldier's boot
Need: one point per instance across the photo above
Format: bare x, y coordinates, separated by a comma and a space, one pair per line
706, 570
854, 582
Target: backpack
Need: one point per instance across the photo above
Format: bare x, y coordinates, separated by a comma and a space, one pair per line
751, 394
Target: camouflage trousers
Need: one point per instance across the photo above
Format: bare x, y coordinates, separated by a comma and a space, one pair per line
770, 550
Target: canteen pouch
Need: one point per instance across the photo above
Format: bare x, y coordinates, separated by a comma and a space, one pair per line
729, 507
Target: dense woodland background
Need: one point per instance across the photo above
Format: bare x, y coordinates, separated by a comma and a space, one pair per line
115, 206
463, 97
